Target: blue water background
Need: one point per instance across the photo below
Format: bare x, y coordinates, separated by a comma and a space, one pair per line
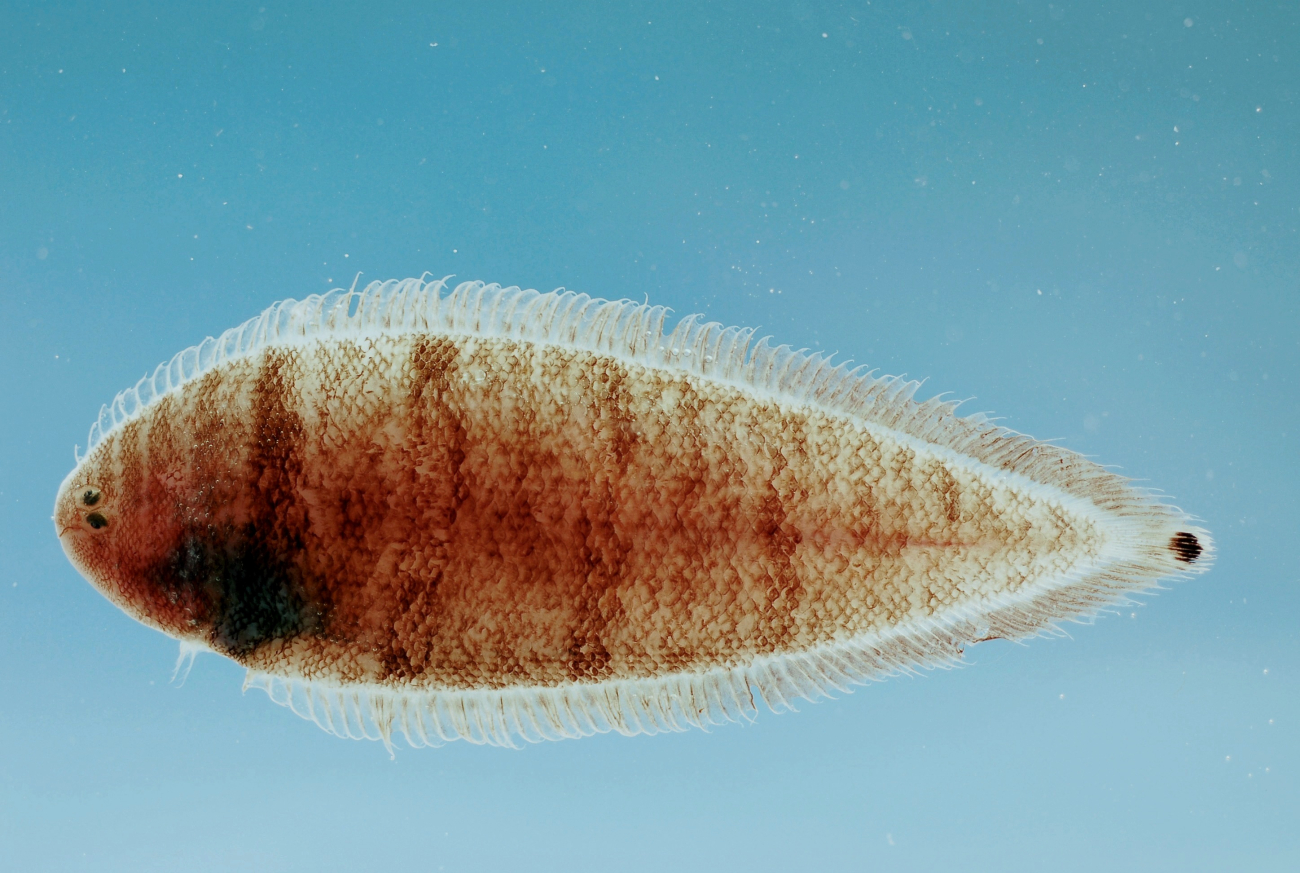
1084, 215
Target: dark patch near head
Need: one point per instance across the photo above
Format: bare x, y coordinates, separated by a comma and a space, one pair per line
1185, 547
248, 581
238, 589
242, 583
96, 520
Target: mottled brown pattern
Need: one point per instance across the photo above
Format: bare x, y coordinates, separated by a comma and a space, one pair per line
434, 512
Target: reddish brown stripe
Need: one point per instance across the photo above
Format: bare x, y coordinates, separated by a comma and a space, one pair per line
275, 462
780, 540
951, 495
255, 567
603, 551
438, 436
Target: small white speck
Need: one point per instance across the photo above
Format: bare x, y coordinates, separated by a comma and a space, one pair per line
1187, 22
180, 175
1062, 697
824, 36
1265, 671
1227, 758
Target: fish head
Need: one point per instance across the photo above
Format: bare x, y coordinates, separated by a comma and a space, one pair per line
119, 532
186, 542
82, 513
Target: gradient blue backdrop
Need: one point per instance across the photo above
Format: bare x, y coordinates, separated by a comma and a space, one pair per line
1083, 214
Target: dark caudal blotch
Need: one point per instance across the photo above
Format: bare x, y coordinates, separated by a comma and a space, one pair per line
1186, 547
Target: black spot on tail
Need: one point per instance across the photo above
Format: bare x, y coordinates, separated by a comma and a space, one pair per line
1185, 547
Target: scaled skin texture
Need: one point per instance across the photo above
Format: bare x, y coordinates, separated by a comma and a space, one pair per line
433, 512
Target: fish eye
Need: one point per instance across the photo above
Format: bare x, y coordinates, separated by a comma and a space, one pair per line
90, 495
96, 520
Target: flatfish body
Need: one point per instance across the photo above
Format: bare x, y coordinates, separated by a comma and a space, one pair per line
499, 515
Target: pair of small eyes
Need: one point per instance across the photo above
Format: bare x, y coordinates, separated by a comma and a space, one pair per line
91, 497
